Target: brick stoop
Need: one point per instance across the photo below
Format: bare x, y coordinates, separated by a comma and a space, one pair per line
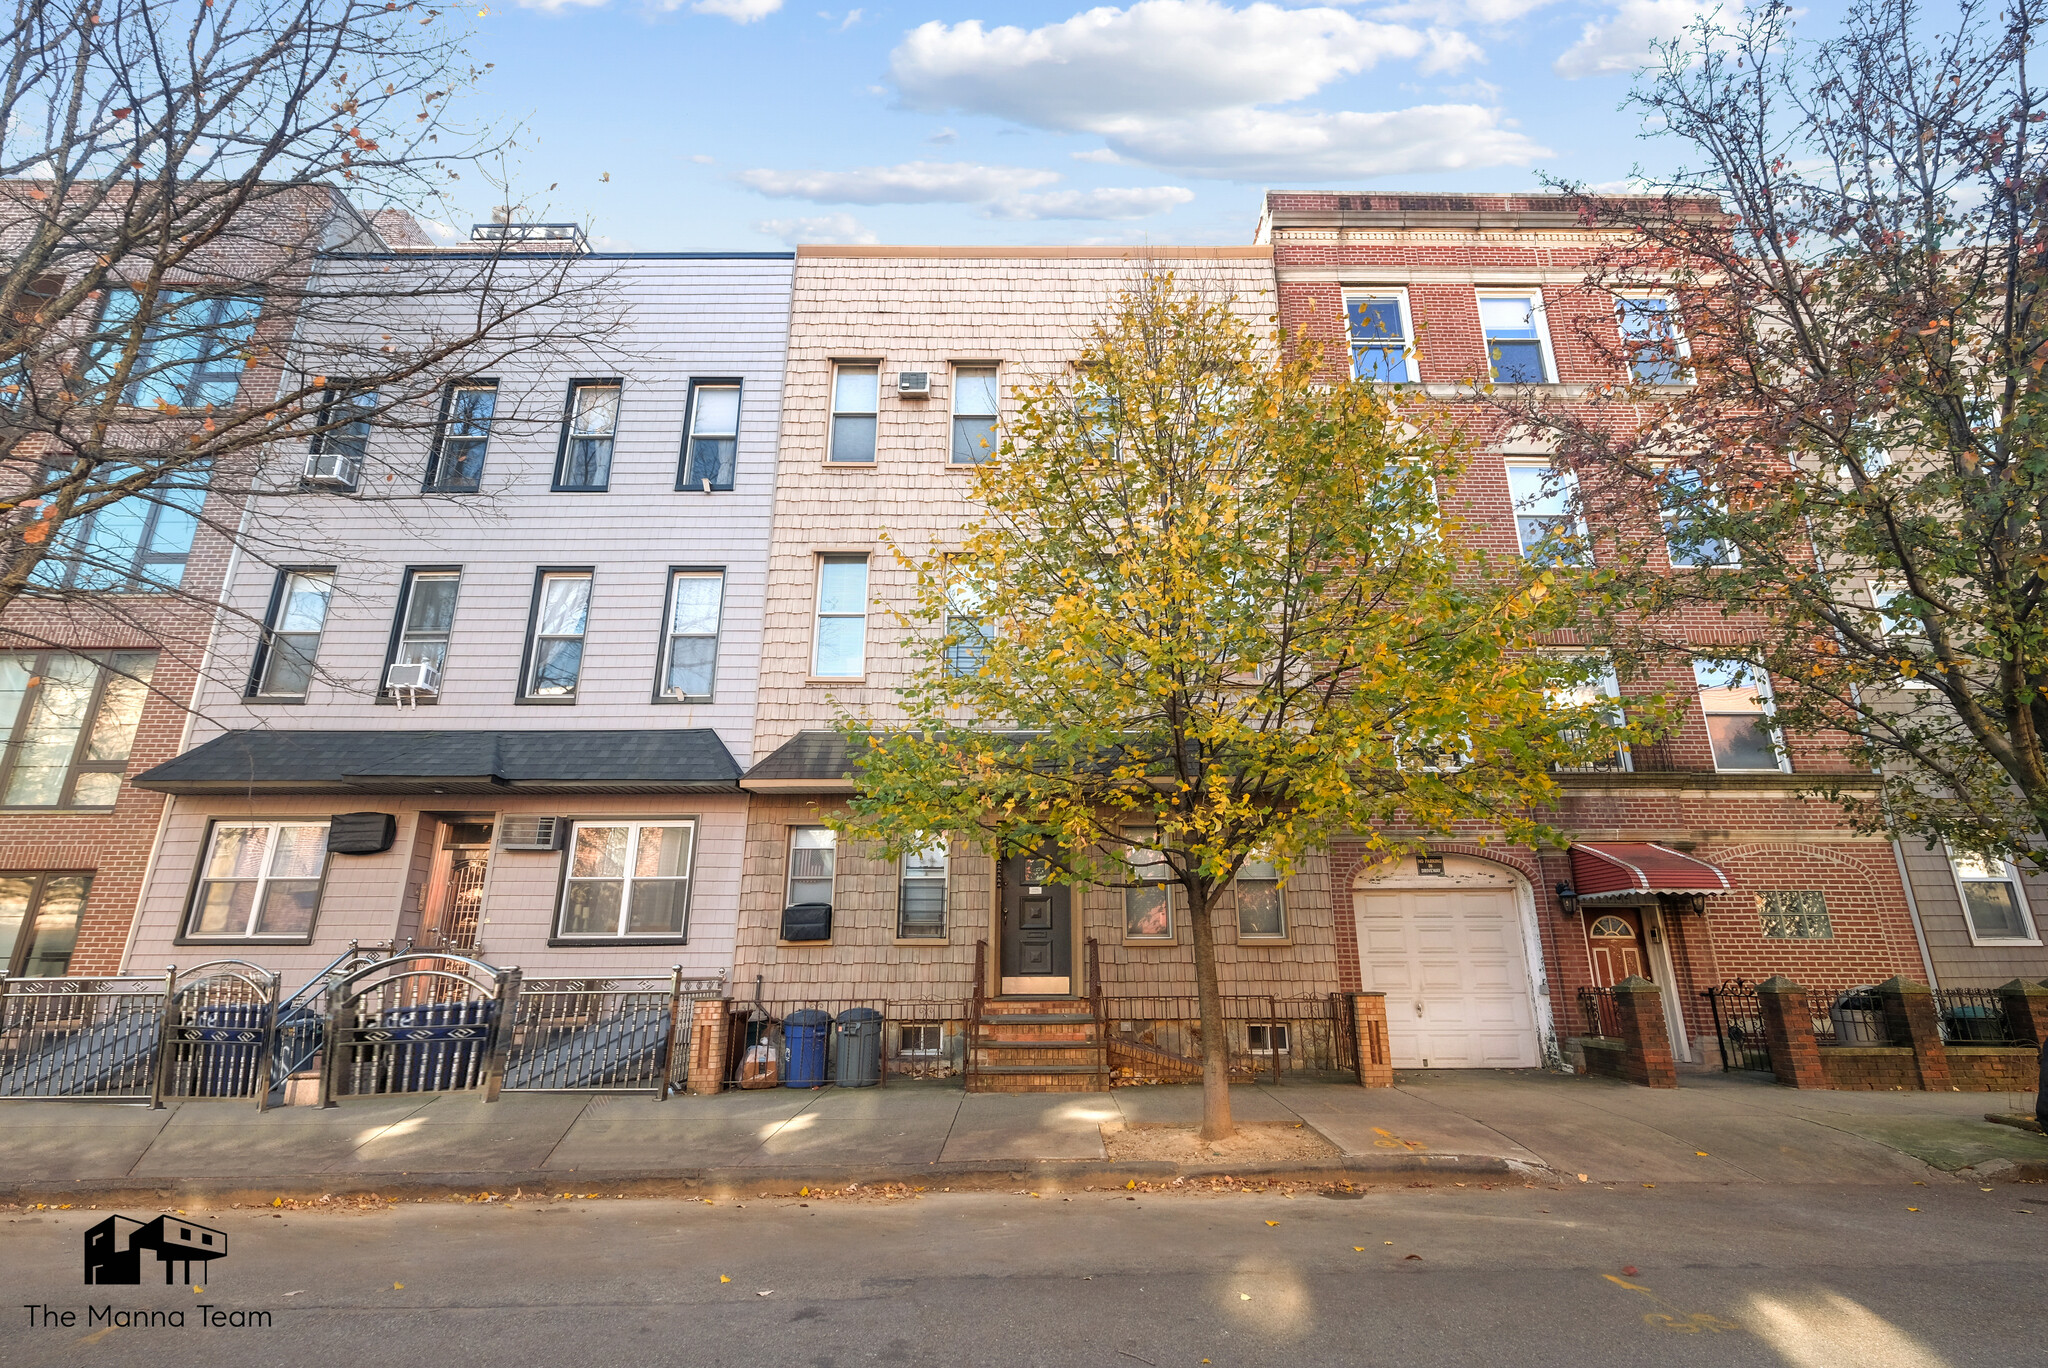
1023, 1045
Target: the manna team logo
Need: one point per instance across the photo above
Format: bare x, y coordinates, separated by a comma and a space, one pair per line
114, 1248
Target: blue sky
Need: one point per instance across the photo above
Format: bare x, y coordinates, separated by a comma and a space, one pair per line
751, 124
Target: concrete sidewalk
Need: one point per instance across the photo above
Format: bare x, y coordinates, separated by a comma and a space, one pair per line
1714, 1129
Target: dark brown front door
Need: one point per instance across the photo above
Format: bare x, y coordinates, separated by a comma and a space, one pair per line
1615, 938
1038, 942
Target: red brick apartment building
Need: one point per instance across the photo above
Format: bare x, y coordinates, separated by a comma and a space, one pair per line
1694, 860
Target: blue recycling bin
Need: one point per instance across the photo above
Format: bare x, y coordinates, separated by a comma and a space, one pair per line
806, 1037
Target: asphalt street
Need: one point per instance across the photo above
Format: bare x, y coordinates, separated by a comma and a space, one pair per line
1875, 1275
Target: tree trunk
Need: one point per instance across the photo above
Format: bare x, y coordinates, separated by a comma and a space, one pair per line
1216, 1122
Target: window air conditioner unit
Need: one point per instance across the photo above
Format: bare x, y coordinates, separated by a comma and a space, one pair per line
914, 384
333, 469
419, 676
530, 833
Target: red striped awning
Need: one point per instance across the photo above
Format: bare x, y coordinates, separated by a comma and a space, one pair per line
1626, 869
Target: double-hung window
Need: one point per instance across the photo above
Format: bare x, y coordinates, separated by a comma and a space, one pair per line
69, 722
1547, 526
1517, 349
855, 390
259, 880
291, 634
1598, 693
1735, 696
965, 626
813, 859
1148, 901
1261, 905
1902, 627
343, 437
585, 460
712, 447
840, 639
1690, 505
1990, 890
977, 404
463, 438
1376, 323
137, 544
1650, 335
426, 616
554, 636
690, 654
39, 916
627, 880
921, 896
192, 351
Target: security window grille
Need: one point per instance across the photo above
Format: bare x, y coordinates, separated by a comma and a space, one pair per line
1690, 505
1378, 328
813, 856
39, 922
1735, 696
192, 351
922, 1038
1601, 696
695, 598
345, 413
921, 900
977, 403
1148, 904
1266, 1038
291, 639
1649, 328
69, 722
1513, 326
855, 390
1991, 898
561, 612
1796, 914
1546, 527
138, 544
593, 419
839, 646
259, 879
464, 437
1261, 907
713, 443
427, 617
628, 879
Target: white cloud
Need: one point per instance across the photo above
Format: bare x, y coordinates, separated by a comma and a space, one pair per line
906, 183
703, 159
1490, 12
1620, 43
1135, 202
1270, 145
943, 137
1097, 154
739, 11
833, 228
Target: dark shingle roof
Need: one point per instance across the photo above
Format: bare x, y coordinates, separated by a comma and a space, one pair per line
813, 760
693, 761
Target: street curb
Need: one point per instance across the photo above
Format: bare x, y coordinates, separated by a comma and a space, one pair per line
1062, 1175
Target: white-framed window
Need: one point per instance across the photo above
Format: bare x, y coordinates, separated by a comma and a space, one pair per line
628, 879
1993, 902
1600, 693
921, 1039
689, 668
463, 438
1261, 903
921, 896
965, 628
588, 430
813, 860
839, 642
1687, 500
426, 617
1655, 342
1735, 696
712, 448
855, 392
1547, 525
291, 637
977, 405
1517, 337
554, 638
1381, 334
258, 880
1266, 1038
1148, 905
68, 723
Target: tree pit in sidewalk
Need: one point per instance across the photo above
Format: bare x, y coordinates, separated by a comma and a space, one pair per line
1255, 1142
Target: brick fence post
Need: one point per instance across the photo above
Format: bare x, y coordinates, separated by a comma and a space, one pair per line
1788, 1033
1369, 1028
1647, 1058
1909, 1016
710, 1019
2026, 1010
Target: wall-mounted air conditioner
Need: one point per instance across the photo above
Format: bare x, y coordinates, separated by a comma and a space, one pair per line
914, 384
530, 833
413, 677
333, 469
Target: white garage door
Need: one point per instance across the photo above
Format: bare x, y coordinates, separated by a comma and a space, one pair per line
1451, 965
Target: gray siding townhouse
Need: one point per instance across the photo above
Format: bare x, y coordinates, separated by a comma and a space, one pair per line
485, 681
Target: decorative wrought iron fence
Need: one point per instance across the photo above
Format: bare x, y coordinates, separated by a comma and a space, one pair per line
218, 1032
603, 1035
809, 1043
1269, 1038
1600, 1012
82, 1037
927, 1039
1848, 1016
302, 1017
419, 1022
1973, 1016
1739, 1026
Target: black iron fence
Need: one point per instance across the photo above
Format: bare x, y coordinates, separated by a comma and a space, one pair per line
1160, 1038
1975, 1016
1739, 1026
1848, 1016
604, 1035
1599, 1012
845, 1042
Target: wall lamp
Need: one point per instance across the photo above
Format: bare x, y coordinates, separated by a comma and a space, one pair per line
1567, 899
1695, 903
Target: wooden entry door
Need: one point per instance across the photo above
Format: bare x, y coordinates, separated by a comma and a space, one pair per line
1038, 929
1615, 938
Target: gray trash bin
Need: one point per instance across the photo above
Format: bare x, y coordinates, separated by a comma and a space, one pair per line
860, 1048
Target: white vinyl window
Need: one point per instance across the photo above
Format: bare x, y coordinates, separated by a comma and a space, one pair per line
921, 899
690, 666
1600, 694
587, 434
561, 613
1377, 326
427, 618
840, 641
1517, 339
855, 390
464, 437
1148, 907
1261, 905
1992, 899
1689, 500
259, 879
1656, 346
713, 443
284, 662
813, 859
1735, 695
628, 879
977, 404
1547, 526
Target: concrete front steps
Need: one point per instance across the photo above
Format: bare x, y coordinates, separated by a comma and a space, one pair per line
1021, 1045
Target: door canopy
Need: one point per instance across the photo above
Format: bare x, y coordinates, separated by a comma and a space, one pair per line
1610, 871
